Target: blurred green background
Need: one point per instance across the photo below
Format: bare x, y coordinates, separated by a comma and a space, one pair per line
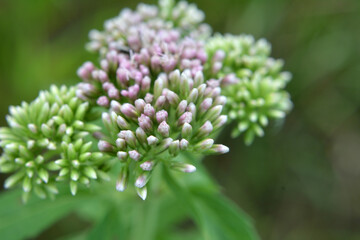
302, 180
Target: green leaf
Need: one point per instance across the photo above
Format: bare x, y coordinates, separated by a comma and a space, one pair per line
19, 221
225, 215
109, 228
216, 216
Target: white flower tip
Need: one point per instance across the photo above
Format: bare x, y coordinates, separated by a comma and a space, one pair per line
190, 168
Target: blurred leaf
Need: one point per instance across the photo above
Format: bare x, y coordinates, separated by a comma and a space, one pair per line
226, 215
216, 216
19, 221
109, 228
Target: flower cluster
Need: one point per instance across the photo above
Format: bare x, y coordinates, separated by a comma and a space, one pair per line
163, 85
180, 115
251, 80
44, 143
149, 25
129, 76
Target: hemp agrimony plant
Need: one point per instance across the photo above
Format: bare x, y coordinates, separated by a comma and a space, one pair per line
162, 89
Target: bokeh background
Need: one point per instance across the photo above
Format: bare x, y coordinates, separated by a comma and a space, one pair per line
302, 180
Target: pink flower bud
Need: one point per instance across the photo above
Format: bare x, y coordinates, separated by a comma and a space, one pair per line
129, 110
133, 91
122, 76
122, 155
114, 93
206, 104
164, 129
149, 110
135, 155
160, 102
129, 137
149, 98
181, 107
161, 116
115, 106
120, 143
145, 122
145, 84
103, 101
186, 130
219, 148
172, 97
206, 129
147, 166
205, 144
140, 104
185, 118
141, 180
105, 146
152, 140
184, 144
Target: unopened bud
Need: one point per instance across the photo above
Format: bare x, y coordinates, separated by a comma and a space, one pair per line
164, 129
135, 155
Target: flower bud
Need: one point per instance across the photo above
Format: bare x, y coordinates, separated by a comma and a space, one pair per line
142, 192
145, 122
122, 179
105, 146
149, 110
135, 155
186, 131
129, 110
161, 116
152, 140
141, 181
129, 137
205, 129
160, 102
204, 145
147, 166
183, 167
115, 106
174, 147
184, 144
140, 104
164, 129
122, 155
181, 107
219, 149
141, 135
185, 118
103, 101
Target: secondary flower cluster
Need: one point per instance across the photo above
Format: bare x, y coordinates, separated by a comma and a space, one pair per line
150, 25
163, 85
252, 82
44, 144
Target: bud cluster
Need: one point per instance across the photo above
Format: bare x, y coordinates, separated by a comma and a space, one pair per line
149, 25
181, 114
158, 84
44, 143
130, 75
252, 82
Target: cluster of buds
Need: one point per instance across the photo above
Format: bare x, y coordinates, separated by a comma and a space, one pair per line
49, 128
182, 113
158, 84
130, 75
149, 25
252, 82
